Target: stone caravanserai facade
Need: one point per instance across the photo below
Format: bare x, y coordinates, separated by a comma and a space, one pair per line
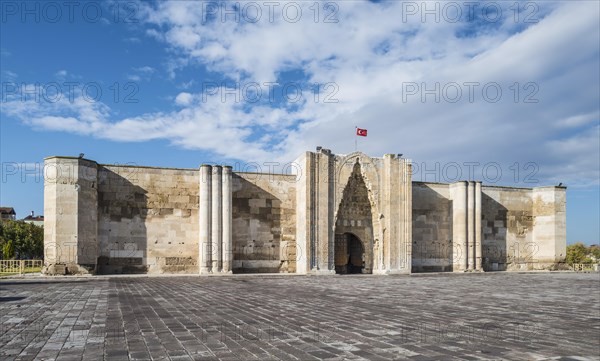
328, 214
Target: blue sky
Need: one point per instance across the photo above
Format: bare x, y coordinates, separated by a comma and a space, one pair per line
491, 87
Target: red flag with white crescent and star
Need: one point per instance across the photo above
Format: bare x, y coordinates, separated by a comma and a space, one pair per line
361, 132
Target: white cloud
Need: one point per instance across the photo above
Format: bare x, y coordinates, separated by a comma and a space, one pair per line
141, 73
10, 75
183, 99
145, 69
578, 120
568, 165
187, 84
371, 54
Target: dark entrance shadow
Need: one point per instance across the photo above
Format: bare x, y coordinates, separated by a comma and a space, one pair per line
349, 254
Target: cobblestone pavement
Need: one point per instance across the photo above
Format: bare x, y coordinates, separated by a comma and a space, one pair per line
420, 317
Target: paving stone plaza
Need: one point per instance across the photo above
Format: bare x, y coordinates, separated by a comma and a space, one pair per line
490, 316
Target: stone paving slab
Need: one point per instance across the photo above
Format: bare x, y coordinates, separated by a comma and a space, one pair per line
492, 316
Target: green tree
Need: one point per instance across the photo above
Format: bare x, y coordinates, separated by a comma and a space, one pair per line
8, 250
577, 253
27, 239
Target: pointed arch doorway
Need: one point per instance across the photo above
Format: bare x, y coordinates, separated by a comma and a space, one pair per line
354, 227
349, 254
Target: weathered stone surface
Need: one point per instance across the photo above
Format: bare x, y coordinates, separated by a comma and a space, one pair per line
432, 228
133, 219
323, 197
146, 216
489, 316
70, 203
55, 269
264, 207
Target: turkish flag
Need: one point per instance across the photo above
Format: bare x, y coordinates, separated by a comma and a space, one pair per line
361, 132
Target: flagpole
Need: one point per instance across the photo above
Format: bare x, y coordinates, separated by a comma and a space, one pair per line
355, 139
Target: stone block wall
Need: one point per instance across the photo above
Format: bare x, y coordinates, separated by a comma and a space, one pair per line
323, 198
112, 219
507, 227
148, 219
432, 228
524, 228
264, 223
133, 219
354, 217
521, 228
550, 231
70, 225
